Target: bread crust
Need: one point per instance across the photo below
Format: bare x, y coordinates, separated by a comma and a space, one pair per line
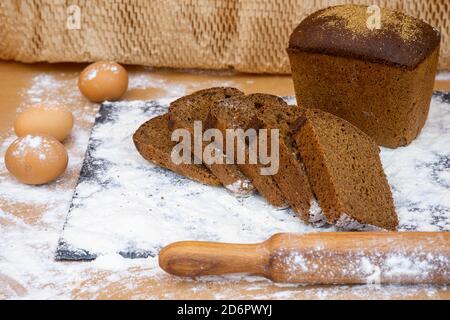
153, 141
342, 31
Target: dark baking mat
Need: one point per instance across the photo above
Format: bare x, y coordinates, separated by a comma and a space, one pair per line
122, 204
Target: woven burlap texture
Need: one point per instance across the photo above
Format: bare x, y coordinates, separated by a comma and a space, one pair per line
246, 35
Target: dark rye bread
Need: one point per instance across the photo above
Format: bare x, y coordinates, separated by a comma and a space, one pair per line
291, 177
195, 107
380, 80
153, 141
236, 113
345, 171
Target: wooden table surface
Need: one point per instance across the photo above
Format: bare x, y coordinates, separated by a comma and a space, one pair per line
15, 77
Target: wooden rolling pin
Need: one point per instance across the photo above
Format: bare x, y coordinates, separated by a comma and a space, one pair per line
321, 258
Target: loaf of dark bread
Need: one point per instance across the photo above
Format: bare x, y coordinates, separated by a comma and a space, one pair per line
195, 107
153, 141
379, 79
291, 178
345, 172
236, 113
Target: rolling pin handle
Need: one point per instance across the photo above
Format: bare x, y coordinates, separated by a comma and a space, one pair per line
192, 258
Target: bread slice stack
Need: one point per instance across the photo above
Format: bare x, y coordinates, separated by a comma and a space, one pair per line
329, 171
236, 113
291, 177
183, 113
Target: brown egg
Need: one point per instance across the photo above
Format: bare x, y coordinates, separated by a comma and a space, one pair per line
55, 121
36, 159
103, 80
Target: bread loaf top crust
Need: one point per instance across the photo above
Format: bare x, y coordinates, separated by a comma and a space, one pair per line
402, 41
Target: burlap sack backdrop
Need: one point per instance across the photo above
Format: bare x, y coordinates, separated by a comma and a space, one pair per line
247, 35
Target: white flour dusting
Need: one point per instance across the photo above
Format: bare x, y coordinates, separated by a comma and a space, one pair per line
140, 81
92, 74
27, 246
443, 75
31, 143
316, 215
345, 222
241, 188
418, 174
297, 263
26, 143
373, 272
27, 266
371, 267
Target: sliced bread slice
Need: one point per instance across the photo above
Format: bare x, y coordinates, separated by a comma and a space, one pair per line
291, 178
184, 111
236, 113
153, 141
345, 172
